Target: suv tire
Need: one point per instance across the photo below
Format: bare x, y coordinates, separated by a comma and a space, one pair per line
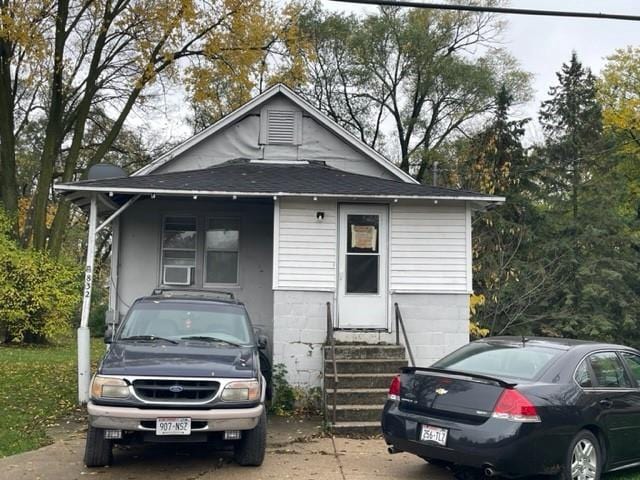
98, 450
249, 451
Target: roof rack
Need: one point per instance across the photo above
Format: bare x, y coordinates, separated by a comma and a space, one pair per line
193, 292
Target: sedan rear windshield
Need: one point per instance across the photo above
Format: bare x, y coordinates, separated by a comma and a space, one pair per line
180, 320
500, 360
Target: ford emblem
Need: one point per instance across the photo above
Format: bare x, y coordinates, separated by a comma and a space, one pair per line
176, 389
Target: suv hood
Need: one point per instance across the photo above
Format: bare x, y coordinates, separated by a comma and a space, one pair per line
184, 360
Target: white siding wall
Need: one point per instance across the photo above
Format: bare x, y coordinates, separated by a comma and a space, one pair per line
305, 248
430, 248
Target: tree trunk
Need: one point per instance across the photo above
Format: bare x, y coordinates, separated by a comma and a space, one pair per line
8, 182
54, 132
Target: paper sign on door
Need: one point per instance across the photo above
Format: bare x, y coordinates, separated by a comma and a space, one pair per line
364, 237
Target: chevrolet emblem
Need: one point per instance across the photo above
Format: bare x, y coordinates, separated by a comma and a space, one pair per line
441, 391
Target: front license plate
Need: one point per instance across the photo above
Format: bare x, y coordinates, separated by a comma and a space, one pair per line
173, 426
434, 434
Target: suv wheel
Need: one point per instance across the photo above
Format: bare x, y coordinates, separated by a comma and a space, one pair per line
98, 450
249, 451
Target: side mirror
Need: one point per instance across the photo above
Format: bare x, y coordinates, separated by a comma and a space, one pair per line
262, 342
108, 334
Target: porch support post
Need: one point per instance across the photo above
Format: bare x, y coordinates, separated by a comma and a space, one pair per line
84, 361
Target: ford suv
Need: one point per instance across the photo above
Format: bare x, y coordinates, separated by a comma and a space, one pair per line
181, 366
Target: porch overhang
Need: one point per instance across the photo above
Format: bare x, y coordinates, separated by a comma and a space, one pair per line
261, 179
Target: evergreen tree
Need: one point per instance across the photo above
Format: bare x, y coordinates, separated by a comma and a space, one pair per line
595, 277
508, 275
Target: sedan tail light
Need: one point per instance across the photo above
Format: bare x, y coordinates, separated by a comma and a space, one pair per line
394, 389
515, 407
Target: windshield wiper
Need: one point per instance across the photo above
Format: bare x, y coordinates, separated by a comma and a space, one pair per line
205, 338
149, 338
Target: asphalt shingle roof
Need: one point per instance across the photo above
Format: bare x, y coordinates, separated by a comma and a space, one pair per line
254, 178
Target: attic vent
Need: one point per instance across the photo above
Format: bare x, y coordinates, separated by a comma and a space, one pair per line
281, 127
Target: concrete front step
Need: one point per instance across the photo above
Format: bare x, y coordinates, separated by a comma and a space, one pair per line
356, 429
357, 396
382, 365
345, 352
359, 380
356, 413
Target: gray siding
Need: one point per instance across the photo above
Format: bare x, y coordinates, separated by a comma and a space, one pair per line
140, 251
242, 140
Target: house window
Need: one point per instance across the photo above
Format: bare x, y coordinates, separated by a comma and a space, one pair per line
221, 251
178, 250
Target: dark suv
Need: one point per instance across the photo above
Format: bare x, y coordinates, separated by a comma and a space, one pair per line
182, 366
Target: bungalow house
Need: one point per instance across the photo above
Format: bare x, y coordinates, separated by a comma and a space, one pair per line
283, 207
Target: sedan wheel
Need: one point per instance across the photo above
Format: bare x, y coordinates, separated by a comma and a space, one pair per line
584, 460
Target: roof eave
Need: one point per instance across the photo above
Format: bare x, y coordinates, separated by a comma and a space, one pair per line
220, 193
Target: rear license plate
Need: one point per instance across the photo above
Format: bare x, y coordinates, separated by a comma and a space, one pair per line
434, 434
173, 426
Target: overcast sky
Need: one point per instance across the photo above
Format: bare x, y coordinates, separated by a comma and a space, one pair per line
542, 44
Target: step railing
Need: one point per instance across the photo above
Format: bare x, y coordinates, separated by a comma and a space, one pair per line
331, 343
400, 326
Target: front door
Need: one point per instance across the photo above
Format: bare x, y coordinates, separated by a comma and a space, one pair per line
362, 267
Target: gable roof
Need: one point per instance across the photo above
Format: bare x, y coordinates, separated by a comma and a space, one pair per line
261, 99
259, 179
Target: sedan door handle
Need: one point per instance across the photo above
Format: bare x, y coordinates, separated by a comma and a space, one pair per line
606, 403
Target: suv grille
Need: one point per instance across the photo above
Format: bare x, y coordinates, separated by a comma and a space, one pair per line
186, 391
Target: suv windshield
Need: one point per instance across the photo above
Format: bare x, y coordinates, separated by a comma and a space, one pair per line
500, 360
180, 320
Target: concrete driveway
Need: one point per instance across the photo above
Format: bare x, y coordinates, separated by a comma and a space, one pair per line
292, 453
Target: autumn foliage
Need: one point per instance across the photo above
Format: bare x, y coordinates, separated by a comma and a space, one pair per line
38, 295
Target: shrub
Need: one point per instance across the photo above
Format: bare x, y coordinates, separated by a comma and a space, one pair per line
284, 398
99, 307
38, 295
288, 400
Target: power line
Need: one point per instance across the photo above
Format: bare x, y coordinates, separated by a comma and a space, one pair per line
505, 10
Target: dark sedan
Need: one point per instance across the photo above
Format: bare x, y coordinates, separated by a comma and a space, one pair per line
521, 406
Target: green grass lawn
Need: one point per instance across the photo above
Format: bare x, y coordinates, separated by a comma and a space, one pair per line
631, 474
38, 388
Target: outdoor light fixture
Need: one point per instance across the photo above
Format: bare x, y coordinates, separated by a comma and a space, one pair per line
315, 199
153, 196
195, 197
319, 216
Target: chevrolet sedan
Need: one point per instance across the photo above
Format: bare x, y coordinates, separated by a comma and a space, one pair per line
514, 406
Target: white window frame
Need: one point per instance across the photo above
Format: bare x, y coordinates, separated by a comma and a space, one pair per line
205, 250
194, 250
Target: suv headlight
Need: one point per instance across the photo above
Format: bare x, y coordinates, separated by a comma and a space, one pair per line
248, 391
106, 387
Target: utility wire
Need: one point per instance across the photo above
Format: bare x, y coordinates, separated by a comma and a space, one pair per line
505, 10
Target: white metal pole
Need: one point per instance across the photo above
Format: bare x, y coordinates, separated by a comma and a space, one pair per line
84, 360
